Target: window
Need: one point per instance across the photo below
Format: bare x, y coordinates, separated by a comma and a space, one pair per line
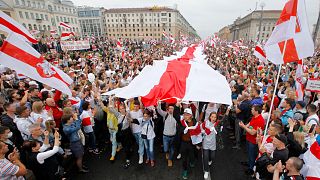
35, 27
27, 15
46, 16
17, 2
37, 16
24, 25
28, 4
55, 8
163, 14
41, 15
30, 26
20, 14
23, 2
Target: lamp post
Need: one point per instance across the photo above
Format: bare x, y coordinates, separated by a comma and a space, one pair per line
316, 29
262, 5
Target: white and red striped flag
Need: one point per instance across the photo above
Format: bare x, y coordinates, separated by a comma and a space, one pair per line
299, 81
65, 25
180, 78
194, 131
164, 34
53, 32
66, 35
20, 56
311, 160
9, 25
119, 44
172, 40
291, 39
260, 54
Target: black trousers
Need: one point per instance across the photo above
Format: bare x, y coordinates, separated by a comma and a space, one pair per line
187, 152
127, 142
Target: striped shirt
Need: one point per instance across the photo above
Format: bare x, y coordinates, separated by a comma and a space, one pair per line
8, 170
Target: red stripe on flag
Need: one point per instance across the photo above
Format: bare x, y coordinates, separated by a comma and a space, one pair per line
291, 54
260, 51
25, 57
17, 30
290, 9
173, 81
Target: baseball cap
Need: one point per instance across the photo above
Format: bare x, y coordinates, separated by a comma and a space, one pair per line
188, 110
282, 138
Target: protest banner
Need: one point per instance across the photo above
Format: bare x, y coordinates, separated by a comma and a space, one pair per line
74, 45
313, 85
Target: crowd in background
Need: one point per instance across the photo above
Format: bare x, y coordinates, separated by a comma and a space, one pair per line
42, 130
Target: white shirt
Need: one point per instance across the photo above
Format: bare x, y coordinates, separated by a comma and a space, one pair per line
313, 119
136, 115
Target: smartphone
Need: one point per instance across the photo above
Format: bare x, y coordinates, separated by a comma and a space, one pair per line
312, 128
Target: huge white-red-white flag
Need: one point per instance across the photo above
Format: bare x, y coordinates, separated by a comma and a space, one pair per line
20, 56
260, 54
65, 25
9, 25
299, 81
66, 35
291, 39
184, 77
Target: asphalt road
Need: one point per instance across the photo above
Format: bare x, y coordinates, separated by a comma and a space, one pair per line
226, 167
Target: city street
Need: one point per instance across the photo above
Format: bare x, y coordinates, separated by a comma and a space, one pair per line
226, 167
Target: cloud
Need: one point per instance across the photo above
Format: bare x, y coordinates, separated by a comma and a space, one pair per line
206, 16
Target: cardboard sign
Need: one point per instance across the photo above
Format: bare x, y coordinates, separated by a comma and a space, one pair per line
313, 85
74, 45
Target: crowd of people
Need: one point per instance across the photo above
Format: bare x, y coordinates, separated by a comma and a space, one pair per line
42, 129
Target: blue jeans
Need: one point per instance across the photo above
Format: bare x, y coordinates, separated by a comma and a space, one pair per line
113, 140
139, 141
148, 143
252, 154
168, 145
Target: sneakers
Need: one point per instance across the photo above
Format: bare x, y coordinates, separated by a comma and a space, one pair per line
185, 174
94, 151
127, 164
112, 158
209, 163
152, 163
179, 156
206, 175
147, 161
140, 159
167, 156
169, 163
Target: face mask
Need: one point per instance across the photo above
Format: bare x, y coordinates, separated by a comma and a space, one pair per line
9, 134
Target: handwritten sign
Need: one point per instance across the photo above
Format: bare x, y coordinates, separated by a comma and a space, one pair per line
313, 85
74, 45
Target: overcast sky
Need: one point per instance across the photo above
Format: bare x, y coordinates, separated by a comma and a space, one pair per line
206, 16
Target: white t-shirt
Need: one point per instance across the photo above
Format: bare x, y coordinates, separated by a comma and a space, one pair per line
210, 108
136, 115
313, 119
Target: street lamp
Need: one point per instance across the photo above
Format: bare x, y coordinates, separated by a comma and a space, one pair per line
262, 5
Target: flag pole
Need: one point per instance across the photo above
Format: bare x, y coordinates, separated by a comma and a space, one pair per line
274, 94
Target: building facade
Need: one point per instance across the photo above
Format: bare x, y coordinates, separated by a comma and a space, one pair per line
91, 21
224, 34
247, 28
43, 15
146, 23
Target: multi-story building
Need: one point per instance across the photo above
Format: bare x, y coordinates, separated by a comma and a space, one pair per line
146, 23
247, 28
42, 15
224, 33
91, 21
